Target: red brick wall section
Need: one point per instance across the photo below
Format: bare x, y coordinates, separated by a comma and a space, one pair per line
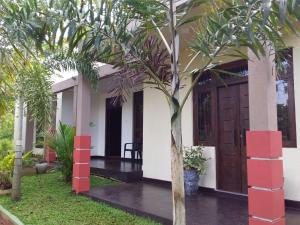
81, 166
265, 178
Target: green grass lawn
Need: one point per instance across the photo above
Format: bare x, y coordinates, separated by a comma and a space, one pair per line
47, 200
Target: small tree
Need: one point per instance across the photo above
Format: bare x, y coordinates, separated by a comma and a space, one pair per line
30, 87
118, 32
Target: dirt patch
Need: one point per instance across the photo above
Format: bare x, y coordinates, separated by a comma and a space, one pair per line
28, 171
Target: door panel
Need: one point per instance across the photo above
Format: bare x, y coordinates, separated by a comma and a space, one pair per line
244, 126
233, 119
138, 117
113, 129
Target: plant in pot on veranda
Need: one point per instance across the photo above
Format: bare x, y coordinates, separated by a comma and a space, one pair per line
194, 163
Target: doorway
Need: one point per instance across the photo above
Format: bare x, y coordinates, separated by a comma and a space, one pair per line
138, 106
233, 121
113, 129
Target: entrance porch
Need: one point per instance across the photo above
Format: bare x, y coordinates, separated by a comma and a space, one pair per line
119, 169
205, 208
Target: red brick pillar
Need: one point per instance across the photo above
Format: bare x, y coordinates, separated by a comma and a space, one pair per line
265, 178
82, 142
81, 166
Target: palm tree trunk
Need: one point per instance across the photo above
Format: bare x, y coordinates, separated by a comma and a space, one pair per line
16, 182
178, 195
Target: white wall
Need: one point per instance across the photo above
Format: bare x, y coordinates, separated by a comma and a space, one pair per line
58, 108
209, 179
98, 118
156, 140
127, 124
97, 125
67, 114
291, 156
157, 137
64, 108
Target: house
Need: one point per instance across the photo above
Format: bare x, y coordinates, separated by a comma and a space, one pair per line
216, 116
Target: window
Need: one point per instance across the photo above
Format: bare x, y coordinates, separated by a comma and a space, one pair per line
204, 116
285, 98
203, 127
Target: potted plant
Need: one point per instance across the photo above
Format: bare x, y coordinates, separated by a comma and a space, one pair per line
194, 165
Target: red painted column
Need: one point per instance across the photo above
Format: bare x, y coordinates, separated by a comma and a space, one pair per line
81, 166
82, 142
265, 178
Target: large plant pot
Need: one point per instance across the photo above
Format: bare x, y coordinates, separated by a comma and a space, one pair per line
191, 180
50, 155
41, 168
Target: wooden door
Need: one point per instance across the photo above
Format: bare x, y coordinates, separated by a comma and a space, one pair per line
113, 129
244, 126
138, 117
233, 121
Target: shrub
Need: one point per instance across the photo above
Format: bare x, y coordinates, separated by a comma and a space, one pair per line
6, 145
6, 170
7, 166
7, 125
62, 143
193, 159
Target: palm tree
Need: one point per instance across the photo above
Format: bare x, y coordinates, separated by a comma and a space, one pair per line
76, 34
25, 80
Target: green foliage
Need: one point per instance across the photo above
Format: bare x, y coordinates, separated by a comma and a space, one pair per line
193, 159
7, 126
6, 163
74, 34
6, 95
6, 81
63, 144
28, 159
34, 83
46, 200
6, 169
6, 145
7, 160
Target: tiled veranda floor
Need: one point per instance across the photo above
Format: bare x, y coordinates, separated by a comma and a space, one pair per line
202, 209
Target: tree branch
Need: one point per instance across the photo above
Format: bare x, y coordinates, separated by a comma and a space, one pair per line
198, 76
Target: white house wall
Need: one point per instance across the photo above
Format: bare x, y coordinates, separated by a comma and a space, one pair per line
67, 114
291, 156
156, 132
156, 147
98, 117
97, 125
156, 136
58, 108
127, 124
